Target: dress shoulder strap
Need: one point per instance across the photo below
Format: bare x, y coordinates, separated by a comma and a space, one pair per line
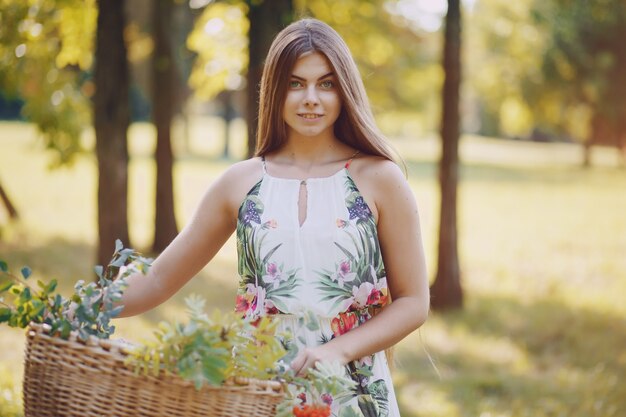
347, 165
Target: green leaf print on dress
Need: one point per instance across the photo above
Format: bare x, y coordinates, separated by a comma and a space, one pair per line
357, 284
264, 282
379, 391
359, 280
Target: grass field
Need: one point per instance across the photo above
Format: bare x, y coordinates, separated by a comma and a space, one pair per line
542, 248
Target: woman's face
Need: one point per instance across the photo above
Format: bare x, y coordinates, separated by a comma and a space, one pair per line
312, 104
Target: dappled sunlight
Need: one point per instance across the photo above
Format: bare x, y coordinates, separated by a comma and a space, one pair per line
10, 391
423, 400
482, 351
500, 350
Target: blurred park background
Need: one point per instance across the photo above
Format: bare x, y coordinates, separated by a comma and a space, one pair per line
156, 94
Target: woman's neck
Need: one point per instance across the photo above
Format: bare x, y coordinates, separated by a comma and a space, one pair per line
311, 155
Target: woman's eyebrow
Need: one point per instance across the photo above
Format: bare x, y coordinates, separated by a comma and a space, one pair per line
304, 79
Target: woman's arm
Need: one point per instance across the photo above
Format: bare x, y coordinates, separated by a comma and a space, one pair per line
403, 255
213, 222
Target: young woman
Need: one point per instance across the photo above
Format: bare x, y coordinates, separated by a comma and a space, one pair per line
325, 220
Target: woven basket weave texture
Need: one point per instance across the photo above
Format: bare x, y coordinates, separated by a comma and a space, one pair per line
71, 378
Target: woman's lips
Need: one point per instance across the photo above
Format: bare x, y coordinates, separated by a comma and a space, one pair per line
310, 116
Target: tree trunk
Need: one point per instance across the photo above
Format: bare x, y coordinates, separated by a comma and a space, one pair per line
163, 99
111, 120
8, 204
267, 18
228, 114
446, 290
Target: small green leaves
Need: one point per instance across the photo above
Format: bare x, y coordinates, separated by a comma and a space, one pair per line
88, 311
5, 286
99, 269
26, 272
5, 314
210, 349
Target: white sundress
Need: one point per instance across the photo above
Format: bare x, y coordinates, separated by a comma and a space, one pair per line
330, 266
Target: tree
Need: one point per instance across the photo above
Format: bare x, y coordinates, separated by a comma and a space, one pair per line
446, 290
220, 40
585, 62
163, 98
267, 18
504, 69
45, 51
8, 204
111, 120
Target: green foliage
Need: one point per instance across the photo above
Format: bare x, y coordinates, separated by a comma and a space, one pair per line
557, 65
585, 61
88, 311
45, 49
220, 40
504, 65
210, 350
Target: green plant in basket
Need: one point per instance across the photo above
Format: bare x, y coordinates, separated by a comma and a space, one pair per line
88, 311
211, 349
214, 349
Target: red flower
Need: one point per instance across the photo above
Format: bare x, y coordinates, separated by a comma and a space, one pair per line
241, 304
343, 323
374, 297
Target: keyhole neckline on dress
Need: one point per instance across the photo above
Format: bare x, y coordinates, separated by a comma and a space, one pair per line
303, 203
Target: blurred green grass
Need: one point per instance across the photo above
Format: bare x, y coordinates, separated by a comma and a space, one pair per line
542, 247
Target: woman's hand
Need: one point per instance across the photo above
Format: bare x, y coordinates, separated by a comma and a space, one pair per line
308, 357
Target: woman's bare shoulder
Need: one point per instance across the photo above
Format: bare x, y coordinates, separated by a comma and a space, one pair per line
376, 177
241, 170
376, 172
239, 178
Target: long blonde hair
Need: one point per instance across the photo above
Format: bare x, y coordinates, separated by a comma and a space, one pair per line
355, 125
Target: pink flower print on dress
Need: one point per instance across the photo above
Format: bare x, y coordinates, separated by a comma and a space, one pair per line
273, 275
343, 273
242, 304
360, 295
380, 293
270, 307
257, 306
270, 224
341, 223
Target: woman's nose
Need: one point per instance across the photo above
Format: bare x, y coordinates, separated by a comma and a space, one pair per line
311, 98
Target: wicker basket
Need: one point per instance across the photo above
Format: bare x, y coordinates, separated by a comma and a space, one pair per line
73, 378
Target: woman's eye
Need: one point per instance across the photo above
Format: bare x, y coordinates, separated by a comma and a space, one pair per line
327, 84
294, 84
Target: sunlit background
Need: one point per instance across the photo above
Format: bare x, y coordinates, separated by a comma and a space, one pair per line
542, 192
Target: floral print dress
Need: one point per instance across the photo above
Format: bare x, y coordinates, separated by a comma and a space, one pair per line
329, 267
